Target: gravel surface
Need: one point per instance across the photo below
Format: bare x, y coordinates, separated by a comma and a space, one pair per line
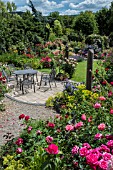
10, 123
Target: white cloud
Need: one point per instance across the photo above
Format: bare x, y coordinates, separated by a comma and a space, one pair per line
69, 12
68, 7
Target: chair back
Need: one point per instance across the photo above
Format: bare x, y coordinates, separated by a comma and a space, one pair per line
52, 74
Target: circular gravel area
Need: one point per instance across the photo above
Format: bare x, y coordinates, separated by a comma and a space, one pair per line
10, 125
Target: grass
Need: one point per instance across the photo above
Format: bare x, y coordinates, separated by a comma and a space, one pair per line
80, 73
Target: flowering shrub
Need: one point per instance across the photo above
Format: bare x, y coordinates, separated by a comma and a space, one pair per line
46, 62
68, 66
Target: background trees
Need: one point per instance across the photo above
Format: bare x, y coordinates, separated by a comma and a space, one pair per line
29, 27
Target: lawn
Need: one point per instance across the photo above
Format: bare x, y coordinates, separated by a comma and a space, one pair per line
80, 74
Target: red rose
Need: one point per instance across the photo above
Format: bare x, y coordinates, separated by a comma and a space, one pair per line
19, 141
21, 116
52, 149
50, 124
27, 118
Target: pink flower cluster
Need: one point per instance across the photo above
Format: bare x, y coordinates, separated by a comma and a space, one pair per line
45, 59
97, 158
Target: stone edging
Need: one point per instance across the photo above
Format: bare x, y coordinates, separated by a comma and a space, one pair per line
23, 102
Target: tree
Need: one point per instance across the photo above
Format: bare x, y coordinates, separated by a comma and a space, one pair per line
85, 22
102, 18
57, 28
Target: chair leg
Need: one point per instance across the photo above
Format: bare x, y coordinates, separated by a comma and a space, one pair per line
22, 89
34, 87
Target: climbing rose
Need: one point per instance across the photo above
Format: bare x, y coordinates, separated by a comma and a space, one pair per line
49, 139
21, 116
69, 127
52, 149
101, 126
19, 150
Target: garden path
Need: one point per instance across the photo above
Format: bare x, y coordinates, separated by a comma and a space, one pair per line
9, 119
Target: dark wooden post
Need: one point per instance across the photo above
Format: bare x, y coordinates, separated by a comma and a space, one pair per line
67, 51
89, 69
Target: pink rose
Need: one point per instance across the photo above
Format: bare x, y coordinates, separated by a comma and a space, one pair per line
27, 118
109, 137
87, 145
52, 149
78, 125
110, 144
90, 119
75, 150
38, 132
21, 116
97, 105
102, 98
103, 148
49, 139
111, 111
102, 126
110, 93
103, 164
19, 141
111, 83
29, 129
50, 124
83, 117
92, 159
69, 127
98, 136
83, 151
106, 156
19, 150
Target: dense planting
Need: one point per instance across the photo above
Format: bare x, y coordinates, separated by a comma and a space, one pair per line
79, 137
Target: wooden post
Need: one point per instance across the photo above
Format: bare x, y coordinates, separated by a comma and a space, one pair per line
67, 51
89, 69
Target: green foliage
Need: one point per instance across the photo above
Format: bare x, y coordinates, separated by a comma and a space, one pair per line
85, 22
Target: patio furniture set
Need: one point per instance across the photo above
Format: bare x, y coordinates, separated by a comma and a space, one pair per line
28, 78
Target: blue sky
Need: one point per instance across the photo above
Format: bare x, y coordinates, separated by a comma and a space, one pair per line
64, 7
